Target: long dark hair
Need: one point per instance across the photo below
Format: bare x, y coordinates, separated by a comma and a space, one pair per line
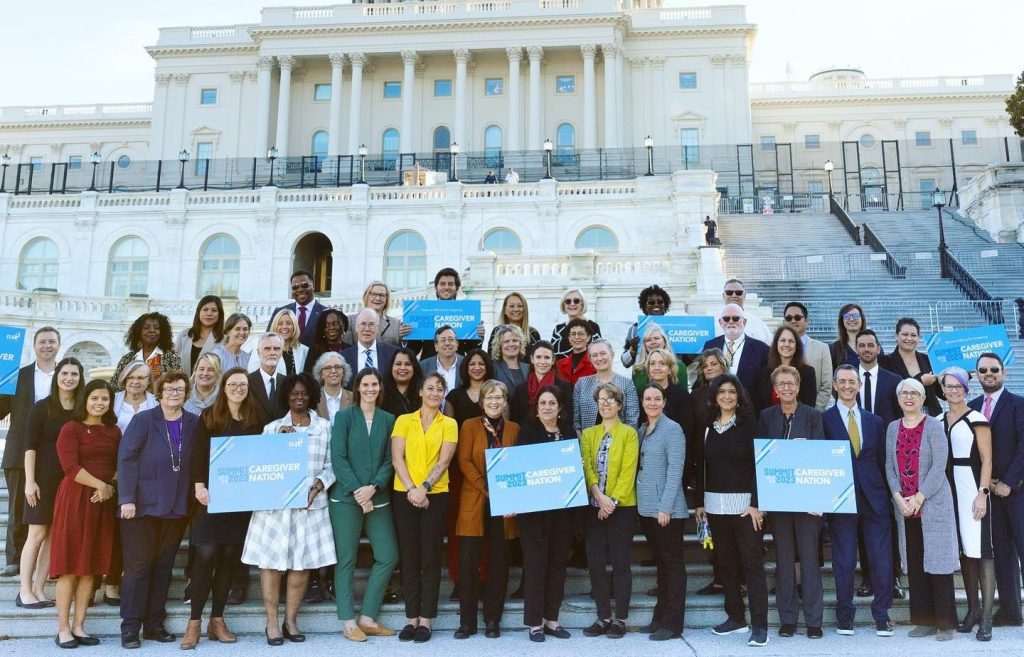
319, 341
464, 366
391, 392
53, 405
774, 359
218, 327
744, 407
841, 329
363, 373
109, 418
217, 417
134, 337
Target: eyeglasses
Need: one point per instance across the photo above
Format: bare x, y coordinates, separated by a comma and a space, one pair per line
331, 368
494, 398
853, 315
986, 370
954, 387
378, 295
577, 334
174, 391
785, 384
604, 401
573, 302
300, 286
242, 385
733, 293
731, 319
794, 318
446, 341
137, 379
909, 394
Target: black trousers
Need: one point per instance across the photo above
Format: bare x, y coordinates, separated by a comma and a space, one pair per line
546, 537
420, 537
148, 545
471, 552
610, 540
932, 598
667, 543
739, 549
17, 531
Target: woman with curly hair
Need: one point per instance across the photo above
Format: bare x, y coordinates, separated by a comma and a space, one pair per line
150, 340
329, 336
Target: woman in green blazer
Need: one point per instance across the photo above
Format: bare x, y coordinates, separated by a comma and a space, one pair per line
361, 457
610, 454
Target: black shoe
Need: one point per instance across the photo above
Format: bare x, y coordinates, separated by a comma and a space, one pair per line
711, 589
845, 628
298, 637
276, 641
73, 643
616, 630
559, 632
537, 635
650, 628
315, 593
408, 633
897, 590
111, 602
758, 637
865, 590
423, 634
814, 633
130, 641
984, 632
597, 629
972, 618
237, 595
493, 630
464, 632
160, 635
12, 570
649, 563
882, 628
664, 634
390, 596
729, 627
186, 598
86, 640
787, 630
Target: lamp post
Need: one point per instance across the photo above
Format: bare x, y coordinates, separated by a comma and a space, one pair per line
95, 160
938, 202
649, 145
182, 158
454, 150
829, 168
548, 146
5, 161
272, 154
362, 164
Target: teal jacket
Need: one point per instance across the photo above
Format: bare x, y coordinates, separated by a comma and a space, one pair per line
360, 458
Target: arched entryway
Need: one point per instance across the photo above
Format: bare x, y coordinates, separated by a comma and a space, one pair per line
91, 354
315, 253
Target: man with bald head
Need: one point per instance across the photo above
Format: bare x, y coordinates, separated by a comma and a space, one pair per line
368, 351
745, 354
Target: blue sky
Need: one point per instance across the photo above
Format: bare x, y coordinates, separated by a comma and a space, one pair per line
69, 51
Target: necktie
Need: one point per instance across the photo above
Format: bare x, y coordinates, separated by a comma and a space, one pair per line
272, 391
851, 428
987, 408
369, 358
867, 393
730, 352
302, 319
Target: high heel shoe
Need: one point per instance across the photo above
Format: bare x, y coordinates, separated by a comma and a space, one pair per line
984, 631
972, 618
275, 641
298, 637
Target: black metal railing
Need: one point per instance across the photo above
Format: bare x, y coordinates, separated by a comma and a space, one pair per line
1020, 316
896, 270
844, 219
970, 287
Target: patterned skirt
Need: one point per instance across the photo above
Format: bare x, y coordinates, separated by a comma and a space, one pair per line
290, 539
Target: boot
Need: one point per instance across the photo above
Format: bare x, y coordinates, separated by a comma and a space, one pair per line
216, 630
192, 632
987, 571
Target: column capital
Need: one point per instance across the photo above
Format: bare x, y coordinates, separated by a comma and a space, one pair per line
285, 61
610, 50
514, 54
535, 52
162, 79
718, 60
264, 63
237, 77
298, 73
589, 50
737, 59
337, 59
180, 78
462, 55
658, 61
357, 59
636, 63
410, 57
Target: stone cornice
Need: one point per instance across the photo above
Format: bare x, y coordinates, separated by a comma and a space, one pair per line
869, 100
169, 52
77, 123
696, 32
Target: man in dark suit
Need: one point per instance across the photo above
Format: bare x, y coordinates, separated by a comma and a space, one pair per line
865, 432
368, 351
878, 386
746, 355
306, 308
447, 361
33, 385
447, 284
1005, 413
265, 383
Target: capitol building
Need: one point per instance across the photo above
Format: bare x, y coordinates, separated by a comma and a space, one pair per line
354, 140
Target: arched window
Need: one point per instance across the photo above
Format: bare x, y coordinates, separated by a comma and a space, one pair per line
565, 139
38, 265
405, 261
502, 240
493, 143
597, 238
389, 145
442, 139
128, 270
218, 267
318, 146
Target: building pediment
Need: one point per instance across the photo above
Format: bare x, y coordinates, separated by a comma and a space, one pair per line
689, 117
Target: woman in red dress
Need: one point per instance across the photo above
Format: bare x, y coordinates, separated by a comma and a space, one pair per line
84, 514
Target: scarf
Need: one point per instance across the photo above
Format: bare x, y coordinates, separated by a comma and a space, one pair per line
533, 386
494, 430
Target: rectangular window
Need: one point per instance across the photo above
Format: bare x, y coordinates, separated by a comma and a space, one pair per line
688, 80
442, 88
926, 187
565, 84
969, 137
75, 163
207, 96
689, 139
494, 87
767, 143
37, 163
393, 89
812, 142
204, 153
321, 92
923, 138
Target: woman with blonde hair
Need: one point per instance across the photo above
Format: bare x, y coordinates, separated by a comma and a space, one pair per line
509, 353
236, 334
293, 357
516, 312
205, 383
377, 295
654, 339
573, 305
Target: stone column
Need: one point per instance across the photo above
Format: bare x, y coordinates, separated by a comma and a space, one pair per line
334, 119
284, 103
659, 119
156, 147
611, 132
406, 143
589, 97
719, 102
358, 60
636, 67
535, 141
514, 141
264, 65
461, 94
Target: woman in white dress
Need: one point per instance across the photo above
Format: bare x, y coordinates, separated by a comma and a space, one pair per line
970, 475
294, 540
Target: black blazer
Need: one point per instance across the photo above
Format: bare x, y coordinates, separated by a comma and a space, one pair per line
1007, 422
307, 338
144, 466
269, 409
808, 388
752, 359
806, 423
519, 409
886, 405
385, 352
17, 406
933, 393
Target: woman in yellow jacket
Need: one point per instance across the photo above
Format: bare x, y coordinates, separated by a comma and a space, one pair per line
610, 453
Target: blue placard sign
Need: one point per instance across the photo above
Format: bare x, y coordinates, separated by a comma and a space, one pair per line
258, 473
12, 341
962, 348
686, 333
427, 315
535, 477
804, 476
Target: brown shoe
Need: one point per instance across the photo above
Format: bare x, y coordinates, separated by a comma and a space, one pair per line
355, 634
192, 632
216, 630
376, 630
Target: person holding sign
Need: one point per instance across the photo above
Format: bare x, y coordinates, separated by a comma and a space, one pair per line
727, 497
476, 527
654, 338
610, 452
916, 456
796, 534
361, 459
422, 446
217, 539
294, 540
447, 284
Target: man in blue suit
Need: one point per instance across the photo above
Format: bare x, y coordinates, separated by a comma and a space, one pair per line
746, 355
877, 385
368, 351
1005, 413
866, 434
306, 308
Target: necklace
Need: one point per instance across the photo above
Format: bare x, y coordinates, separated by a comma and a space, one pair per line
176, 467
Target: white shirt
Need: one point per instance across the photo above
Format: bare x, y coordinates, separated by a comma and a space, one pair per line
361, 360
512, 178
449, 374
266, 382
333, 405
874, 384
125, 412
755, 328
42, 381
734, 368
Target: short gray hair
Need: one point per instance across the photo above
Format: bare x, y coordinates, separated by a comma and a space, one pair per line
268, 336
325, 358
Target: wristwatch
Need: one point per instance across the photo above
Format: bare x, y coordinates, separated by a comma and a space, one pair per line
614, 501
427, 485
984, 489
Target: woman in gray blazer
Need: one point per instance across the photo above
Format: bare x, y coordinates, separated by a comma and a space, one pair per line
662, 507
206, 332
915, 468
507, 352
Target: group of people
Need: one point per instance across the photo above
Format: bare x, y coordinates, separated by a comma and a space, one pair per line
105, 479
